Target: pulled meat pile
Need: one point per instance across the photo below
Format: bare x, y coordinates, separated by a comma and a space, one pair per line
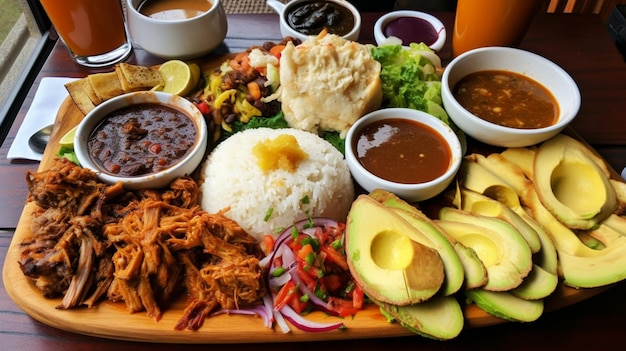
91, 240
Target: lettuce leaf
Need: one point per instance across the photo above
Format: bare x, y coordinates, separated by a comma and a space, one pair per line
410, 78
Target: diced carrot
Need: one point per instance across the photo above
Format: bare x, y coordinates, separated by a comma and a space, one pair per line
254, 90
276, 50
305, 251
268, 244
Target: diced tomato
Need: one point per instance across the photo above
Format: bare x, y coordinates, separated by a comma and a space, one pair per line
335, 257
342, 307
357, 296
305, 278
203, 107
286, 293
296, 244
312, 271
278, 261
332, 282
298, 305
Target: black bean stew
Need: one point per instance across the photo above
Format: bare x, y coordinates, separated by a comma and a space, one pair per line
142, 139
312, 17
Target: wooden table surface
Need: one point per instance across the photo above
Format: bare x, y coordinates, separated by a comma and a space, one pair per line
579, 43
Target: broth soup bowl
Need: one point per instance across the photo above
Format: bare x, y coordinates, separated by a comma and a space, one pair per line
428, 144
182, 39
543, 71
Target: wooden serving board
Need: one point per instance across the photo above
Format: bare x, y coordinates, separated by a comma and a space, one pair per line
112, 320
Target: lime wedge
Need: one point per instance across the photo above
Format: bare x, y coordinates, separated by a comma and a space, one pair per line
177, 76
68, 139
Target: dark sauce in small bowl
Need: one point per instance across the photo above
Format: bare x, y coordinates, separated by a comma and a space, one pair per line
311, 17
412, 30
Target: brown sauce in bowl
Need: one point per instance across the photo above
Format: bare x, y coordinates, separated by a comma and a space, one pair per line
402, 151
311, 17
142, 139
508, 99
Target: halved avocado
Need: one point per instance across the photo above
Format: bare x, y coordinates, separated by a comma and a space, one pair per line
507, 306
453, 267
439, 318
384, 260
502, 249
572, 184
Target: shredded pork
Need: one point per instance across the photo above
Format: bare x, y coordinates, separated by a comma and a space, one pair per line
92, 241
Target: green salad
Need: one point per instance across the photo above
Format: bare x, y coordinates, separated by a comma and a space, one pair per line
411, 78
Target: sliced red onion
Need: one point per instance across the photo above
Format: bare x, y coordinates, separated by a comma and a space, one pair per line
280, 280
278, 316
307, 325
260, 311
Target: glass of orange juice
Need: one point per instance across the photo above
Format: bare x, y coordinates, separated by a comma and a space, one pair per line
481, 23
94, 32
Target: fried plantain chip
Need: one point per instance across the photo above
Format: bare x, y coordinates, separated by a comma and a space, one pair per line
133, 77
106, 85
79, 91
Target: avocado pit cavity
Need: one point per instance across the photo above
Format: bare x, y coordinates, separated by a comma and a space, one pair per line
391, 250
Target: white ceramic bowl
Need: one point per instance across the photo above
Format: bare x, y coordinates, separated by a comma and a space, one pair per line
542, 70
178, 39
437, 26
150, 181
286, 30
410, 192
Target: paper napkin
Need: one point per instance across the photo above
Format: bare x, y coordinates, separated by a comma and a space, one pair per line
42, 112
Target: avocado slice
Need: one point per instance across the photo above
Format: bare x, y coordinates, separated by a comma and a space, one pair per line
474, 176
539, 284
502, 249
384, 259
480, 204
505, 305
523, 157
543, 278
541, 281
439, 318
572, 183
579, 265
453, 268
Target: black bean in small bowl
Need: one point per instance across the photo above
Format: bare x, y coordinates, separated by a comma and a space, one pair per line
303, 18
144, 139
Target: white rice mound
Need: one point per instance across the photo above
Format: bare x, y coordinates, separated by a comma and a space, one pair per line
231, 178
